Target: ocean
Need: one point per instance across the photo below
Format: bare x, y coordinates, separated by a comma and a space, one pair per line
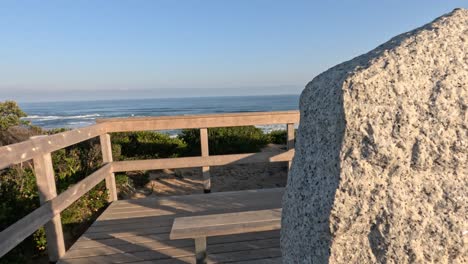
50, 115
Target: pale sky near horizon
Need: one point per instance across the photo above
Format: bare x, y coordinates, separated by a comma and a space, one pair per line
81, 50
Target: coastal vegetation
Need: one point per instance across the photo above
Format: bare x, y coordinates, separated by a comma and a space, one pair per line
18, 190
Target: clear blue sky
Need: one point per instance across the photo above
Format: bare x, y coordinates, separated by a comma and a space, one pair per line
52, 50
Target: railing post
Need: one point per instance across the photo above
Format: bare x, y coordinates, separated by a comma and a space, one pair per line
45, 180
205, 153
290, 141
106, 149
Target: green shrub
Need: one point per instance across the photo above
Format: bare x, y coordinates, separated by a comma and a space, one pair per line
72, 165
40, 240
10, 115
12, 128
122, 179
278, 137
226, 140
75, 162
145, 145
18, 190
82, 213
19, 197
125, 185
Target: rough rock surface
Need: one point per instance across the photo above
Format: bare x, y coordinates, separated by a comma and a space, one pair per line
380, 173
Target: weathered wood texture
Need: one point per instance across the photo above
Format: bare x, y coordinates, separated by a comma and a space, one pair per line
226, 224
199, 121
23, 151
43, 146
137, 231
14, 234
201, 227
26, 150
45, 180
205, 153
106, 150
189, 162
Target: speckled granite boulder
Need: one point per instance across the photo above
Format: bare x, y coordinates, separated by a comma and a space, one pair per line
380, 173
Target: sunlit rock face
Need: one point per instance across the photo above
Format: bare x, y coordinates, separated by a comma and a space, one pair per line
380, 173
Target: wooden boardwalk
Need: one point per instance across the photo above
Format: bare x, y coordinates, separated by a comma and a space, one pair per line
137, 231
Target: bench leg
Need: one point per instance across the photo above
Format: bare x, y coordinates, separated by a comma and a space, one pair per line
200, 249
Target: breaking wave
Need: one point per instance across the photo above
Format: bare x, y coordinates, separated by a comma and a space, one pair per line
53, 117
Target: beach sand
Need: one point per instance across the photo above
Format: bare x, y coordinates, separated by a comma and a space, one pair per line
223, 178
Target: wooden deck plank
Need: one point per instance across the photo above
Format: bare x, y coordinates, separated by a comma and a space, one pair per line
89, 243
221, 249
274, 260
137, 231
254, 256
126, 247
255, 251
225, 196
188, 205
218, 200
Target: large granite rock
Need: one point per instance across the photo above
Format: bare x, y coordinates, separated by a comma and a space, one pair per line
380, 173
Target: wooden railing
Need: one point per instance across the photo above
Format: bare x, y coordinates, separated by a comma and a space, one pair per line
39, 150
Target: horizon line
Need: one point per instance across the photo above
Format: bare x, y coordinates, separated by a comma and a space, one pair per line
154, 98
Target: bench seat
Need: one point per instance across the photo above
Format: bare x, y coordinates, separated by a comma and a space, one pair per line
201, 227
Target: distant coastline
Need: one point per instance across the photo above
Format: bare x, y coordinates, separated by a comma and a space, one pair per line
74, 114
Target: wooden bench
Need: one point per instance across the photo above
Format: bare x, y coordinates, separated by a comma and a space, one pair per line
201, 227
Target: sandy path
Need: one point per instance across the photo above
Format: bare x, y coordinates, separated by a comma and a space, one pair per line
223, 178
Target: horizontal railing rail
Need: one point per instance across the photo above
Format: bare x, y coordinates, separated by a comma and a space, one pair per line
198, 121
39, 150
16, 233
27, 150
209, 161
